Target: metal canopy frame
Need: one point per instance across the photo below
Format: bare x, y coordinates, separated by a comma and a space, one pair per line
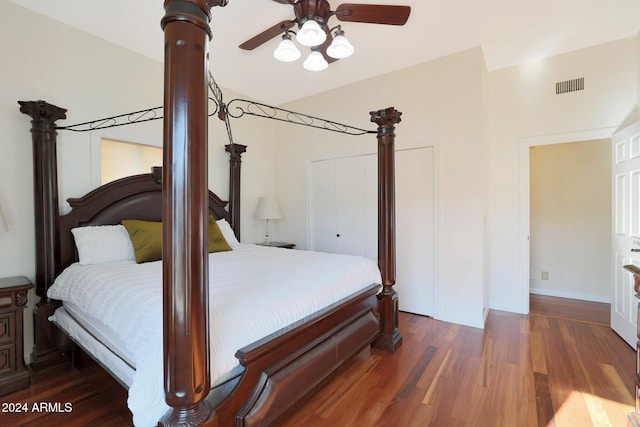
236, 108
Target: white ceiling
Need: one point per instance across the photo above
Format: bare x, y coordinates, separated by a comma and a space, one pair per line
509, 32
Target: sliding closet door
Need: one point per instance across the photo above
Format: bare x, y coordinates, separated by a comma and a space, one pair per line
343, 214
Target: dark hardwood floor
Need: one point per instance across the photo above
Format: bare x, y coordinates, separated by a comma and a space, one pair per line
570, 309
558, 366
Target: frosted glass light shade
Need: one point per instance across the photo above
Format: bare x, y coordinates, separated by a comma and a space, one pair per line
340, 48
311, 34
287, 50
315, 62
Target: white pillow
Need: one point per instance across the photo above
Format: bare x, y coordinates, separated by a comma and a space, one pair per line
99, 244
227, 232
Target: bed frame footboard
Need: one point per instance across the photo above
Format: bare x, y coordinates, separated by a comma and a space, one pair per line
286, 367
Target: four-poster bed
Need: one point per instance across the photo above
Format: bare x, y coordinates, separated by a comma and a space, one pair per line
278, 369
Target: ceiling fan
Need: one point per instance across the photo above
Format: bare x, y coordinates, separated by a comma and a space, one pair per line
327, 43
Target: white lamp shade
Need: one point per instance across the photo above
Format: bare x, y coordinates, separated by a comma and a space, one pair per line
311, 34
3, 222
315, 62
340, 48
287, 51
267, 209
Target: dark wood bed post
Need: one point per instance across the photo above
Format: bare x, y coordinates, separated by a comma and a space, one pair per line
390, 339
185, 211
45, 183
235, 165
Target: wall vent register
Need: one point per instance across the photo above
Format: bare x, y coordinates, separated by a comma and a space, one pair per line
570, 85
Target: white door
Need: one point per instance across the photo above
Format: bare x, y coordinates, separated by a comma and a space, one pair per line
351, 207
322, 205
342, 206
626, 229
343, 217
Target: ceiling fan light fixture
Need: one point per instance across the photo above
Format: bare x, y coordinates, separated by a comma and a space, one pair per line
340, 47
311, 34
315, 62
287, 50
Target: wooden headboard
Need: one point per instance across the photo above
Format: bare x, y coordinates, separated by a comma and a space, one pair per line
132, 197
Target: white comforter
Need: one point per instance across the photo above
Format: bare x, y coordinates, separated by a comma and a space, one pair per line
273, 287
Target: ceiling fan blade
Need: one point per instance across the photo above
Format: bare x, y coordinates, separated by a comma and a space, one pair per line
373, 13
267, 35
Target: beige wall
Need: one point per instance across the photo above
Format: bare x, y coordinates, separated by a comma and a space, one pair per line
524, 106
119, 159
478, 121
43, 59
571, 220
443, 102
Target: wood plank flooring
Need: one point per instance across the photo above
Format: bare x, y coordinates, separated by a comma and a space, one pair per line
570, 309
545, 369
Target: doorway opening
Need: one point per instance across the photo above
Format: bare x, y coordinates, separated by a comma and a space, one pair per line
570, 220
119, 159
525, 189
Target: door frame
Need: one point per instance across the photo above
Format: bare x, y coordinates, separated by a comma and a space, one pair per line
525, 190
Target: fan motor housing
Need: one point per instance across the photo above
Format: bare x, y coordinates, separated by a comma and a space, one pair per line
318, 10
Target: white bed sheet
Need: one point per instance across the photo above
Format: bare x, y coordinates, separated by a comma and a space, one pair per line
104, 354
96, 329
273, 287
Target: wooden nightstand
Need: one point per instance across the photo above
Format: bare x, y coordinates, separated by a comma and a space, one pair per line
13, 299
284, 245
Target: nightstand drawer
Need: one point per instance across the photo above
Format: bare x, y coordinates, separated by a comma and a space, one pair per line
6, 299
13, 300
7, 358
8, 327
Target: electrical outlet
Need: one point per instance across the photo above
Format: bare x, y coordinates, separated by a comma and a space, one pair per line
545, 275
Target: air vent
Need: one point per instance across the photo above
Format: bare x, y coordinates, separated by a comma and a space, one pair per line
570, 86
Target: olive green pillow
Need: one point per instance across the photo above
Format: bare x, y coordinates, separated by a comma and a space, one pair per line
217, 242
146, 237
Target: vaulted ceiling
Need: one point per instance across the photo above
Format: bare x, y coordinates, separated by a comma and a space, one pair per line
509, 32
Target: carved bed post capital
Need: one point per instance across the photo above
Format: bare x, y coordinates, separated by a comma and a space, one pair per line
42, 111
386, 118
235, 151
390, 338
45, 185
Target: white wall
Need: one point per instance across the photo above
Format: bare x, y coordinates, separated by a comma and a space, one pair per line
524, 105
443, 101
571, 220
43, 59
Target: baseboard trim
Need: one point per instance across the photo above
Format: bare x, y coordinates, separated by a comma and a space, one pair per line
571, 295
